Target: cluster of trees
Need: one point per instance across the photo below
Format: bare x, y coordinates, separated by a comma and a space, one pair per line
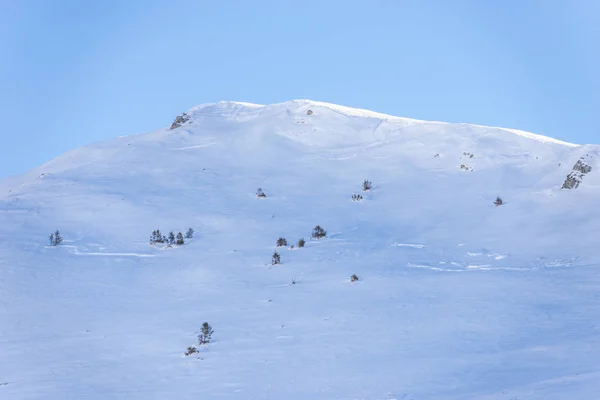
317, 233
282, 242
366, 186
171, 239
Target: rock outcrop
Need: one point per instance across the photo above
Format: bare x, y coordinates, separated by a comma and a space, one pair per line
580, 169
180, 120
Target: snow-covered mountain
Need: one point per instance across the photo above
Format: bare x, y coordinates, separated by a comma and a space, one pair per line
457, 298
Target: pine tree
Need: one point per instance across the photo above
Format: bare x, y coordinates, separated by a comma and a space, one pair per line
205, 335
57, 238
51, 237
157, 237
171, 238
367, 185
301, 242
180, 239
281, 242
189, 234
318, 232
275, 259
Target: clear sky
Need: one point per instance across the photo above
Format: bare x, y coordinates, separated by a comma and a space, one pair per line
76, 72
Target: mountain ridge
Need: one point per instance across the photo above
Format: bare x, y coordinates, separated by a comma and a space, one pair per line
359, 112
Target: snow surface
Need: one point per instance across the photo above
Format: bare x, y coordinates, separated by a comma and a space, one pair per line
457, 298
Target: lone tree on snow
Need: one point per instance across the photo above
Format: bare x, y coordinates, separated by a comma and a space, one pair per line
189, 234
367, 185
55, 238
318, 232
275, 259
498, 201
205, 335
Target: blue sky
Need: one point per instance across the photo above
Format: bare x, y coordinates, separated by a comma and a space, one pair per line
76, 72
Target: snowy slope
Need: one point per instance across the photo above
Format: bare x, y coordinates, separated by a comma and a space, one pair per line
457, 298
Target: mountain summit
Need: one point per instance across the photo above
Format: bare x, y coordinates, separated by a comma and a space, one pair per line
245, 111
437, 261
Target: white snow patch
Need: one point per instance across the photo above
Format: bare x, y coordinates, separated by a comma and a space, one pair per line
416, 246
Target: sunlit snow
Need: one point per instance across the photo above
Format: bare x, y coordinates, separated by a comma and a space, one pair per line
456, 299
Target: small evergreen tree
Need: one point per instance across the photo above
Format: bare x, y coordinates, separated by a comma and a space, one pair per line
180, 240
301, 242
191, 350
57, 238
318, 232
281, 242
367, 185
157, 237
498, 201
260, 193
357, 197
275, 259
205, 335
171, 238
353, 278
189, 234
